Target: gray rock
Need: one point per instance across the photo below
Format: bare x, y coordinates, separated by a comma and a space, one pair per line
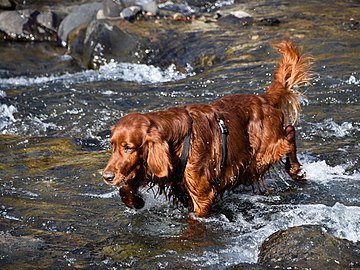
112, 8
309, 247
28, 25
47, 19
105, 42
200, 3
148, 5
181, 8
127, 8
235, 18
130, 13
12, 22
80, 16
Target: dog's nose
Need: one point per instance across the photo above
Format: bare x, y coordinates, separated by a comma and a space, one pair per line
108, 176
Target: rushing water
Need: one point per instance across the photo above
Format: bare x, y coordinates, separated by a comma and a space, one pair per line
56, 212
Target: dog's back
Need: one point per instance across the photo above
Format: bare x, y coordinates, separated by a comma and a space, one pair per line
263, 119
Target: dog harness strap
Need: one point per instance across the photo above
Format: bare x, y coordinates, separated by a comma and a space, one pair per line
179, 173
224, 133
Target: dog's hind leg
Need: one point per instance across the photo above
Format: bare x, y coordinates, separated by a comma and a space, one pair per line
292, 165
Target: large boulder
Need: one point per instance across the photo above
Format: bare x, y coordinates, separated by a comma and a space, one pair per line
309, 247
80, 17
105, 42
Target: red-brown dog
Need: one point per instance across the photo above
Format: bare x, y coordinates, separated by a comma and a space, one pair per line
197, 152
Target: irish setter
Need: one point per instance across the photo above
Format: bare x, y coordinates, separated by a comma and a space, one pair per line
197, 152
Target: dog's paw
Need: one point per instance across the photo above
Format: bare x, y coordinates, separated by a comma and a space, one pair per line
297, 173
131, 198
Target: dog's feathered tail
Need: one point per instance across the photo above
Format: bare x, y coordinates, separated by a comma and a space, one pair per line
292, 71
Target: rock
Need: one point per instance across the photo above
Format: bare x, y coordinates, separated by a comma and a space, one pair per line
29, 24
48, 20
149, 6
10, 244
7, 4
269, 21
125, 9
80, 17
235, 18
184, 9
105, 42
130, 13
309, 247
12, 22
240, 14
112, 8
200, 3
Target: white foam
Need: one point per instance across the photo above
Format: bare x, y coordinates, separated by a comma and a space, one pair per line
250, 229
329, 128
352, 80
140, 73
343, 221
337, 130
6, 115
107, 195
320, 171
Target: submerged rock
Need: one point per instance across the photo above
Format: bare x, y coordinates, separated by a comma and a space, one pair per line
13, 248
309, 247
10, 243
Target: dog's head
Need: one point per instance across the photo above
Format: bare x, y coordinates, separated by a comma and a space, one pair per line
138, 153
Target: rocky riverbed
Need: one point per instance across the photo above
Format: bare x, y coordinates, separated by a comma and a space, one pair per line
70, 69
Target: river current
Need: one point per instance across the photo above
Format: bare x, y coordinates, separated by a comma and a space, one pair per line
54, 118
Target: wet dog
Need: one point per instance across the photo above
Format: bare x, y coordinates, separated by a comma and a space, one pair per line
197, 152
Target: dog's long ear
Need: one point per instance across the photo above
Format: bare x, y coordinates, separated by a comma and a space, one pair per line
158, 156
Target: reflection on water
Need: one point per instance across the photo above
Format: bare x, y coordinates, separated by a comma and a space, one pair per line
56, 212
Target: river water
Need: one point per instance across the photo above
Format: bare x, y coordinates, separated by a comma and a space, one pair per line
57, 213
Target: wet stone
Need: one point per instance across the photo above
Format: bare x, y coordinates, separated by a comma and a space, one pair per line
7, 4
231, 19
29, 24
105, 42
80, 16
130, 13
112, 8
308, 246
269, 21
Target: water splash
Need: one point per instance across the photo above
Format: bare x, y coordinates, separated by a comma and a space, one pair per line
7, 115
321, 172
107, 195
329, 128
29, 125
113, 71
352, 80
341, 220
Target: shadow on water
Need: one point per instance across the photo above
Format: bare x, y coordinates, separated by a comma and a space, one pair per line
57, 213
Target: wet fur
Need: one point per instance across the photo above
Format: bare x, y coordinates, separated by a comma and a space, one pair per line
146, 147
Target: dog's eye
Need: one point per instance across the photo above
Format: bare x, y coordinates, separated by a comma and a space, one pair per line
127, 149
